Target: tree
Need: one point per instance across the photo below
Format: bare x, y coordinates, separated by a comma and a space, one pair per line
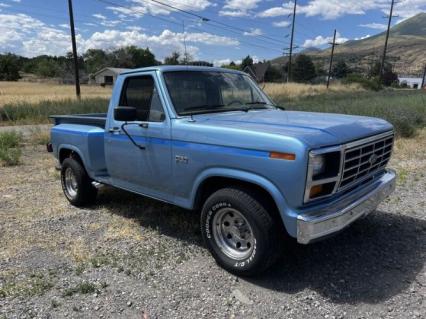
247, 62
133, 57
96, 59
273, 74
47, 68
341, 70
389, 77
9, 67
173, 59
303, 69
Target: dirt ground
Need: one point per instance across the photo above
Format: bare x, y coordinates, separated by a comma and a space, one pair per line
130, 257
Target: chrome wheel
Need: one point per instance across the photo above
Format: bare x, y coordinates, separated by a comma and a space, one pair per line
233, 234
71, 185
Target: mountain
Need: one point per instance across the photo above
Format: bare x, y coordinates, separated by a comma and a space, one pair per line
406, 49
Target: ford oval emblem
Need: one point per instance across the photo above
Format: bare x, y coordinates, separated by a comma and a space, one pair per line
373, 159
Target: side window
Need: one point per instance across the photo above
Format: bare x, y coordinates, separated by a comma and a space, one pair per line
140, 92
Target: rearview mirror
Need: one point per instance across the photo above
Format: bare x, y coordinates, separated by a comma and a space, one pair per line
125, 113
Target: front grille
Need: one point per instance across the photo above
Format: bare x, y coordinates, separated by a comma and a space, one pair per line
363, 161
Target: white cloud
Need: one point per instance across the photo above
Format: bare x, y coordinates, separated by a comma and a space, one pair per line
27, 36
138, 8
320, 41
221, 62
238, 8
364, 37
332, 9
4, 5
253, 32
281, 24
376, 26
99, 16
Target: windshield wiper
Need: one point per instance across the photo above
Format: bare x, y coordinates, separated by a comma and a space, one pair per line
202, 107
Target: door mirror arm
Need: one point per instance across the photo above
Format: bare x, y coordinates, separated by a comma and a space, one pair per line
123, 128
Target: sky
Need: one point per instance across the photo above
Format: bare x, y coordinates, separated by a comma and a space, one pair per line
214, 31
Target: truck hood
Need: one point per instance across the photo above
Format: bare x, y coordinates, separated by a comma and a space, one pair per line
313, 129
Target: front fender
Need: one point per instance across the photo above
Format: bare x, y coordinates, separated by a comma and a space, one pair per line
288, 216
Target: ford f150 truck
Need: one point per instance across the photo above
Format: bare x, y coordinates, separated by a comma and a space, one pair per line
209, 140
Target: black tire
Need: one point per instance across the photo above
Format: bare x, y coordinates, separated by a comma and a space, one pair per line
85, 192
264, 248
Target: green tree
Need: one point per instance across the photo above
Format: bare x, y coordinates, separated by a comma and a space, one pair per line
341, 70
47, 68
96, 59
273, 74
303, 69
389, 77
9, 67
246, 62
133, 57
173, 59
231, 66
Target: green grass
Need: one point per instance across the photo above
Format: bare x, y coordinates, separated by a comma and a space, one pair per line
30, 113
10, 148
82, 288
406, 110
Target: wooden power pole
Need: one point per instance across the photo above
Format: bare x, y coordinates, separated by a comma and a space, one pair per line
333, 45
74, 51
424, 78
385, 49
291, 42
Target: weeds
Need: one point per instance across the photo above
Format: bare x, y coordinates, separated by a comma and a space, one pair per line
30, 113
10, 148
406, 110
82, 288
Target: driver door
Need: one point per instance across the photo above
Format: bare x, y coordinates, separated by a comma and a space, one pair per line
145, 171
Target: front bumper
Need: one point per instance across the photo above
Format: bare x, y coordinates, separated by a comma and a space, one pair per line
314, 225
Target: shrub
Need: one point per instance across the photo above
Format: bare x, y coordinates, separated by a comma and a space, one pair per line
372, 84
10, 151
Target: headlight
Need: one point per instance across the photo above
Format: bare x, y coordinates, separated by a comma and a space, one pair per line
318, 165
323, 173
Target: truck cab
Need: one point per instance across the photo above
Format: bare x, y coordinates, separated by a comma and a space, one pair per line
210, 140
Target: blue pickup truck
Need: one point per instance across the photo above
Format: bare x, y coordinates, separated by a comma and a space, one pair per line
209, 140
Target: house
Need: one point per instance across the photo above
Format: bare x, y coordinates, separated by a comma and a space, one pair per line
411, 81
106, 76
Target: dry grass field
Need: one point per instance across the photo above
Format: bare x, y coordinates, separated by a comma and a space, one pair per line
17, 92
298, 90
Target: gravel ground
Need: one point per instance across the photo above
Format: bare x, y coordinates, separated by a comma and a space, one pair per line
130, 257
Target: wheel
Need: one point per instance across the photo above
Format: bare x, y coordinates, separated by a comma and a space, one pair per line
76, 184
239, 232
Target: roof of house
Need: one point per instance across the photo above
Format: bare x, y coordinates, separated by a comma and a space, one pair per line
114, 70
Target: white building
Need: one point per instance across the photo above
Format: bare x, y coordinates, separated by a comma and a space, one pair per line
412, 82
106, 76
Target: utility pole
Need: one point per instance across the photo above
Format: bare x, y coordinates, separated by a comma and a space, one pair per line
291, 42
333, 45
74, 51
382, 65
424, 78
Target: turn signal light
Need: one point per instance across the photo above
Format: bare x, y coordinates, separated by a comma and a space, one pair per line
283, 156
316, 191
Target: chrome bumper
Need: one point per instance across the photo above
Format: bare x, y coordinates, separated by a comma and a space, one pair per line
315, 225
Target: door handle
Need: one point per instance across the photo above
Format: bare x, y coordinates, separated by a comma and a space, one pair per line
114, 130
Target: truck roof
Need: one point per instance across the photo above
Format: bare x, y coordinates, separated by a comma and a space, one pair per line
168, 68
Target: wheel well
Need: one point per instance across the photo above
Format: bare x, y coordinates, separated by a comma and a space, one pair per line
212, 184
67, 153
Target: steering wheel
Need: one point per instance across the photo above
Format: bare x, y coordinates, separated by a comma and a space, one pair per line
234, 102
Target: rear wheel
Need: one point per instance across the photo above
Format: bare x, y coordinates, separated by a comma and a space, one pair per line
239, 232
76, 184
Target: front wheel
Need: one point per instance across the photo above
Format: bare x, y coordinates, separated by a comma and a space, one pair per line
239, 232
76, 184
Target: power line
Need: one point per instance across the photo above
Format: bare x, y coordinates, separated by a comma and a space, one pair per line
207, 20
179, 24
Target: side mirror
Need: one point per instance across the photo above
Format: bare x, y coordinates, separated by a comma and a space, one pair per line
125, 113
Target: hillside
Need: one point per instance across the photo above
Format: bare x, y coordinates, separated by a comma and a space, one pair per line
406, 49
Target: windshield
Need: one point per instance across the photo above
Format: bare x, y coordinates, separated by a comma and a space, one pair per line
196, 92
